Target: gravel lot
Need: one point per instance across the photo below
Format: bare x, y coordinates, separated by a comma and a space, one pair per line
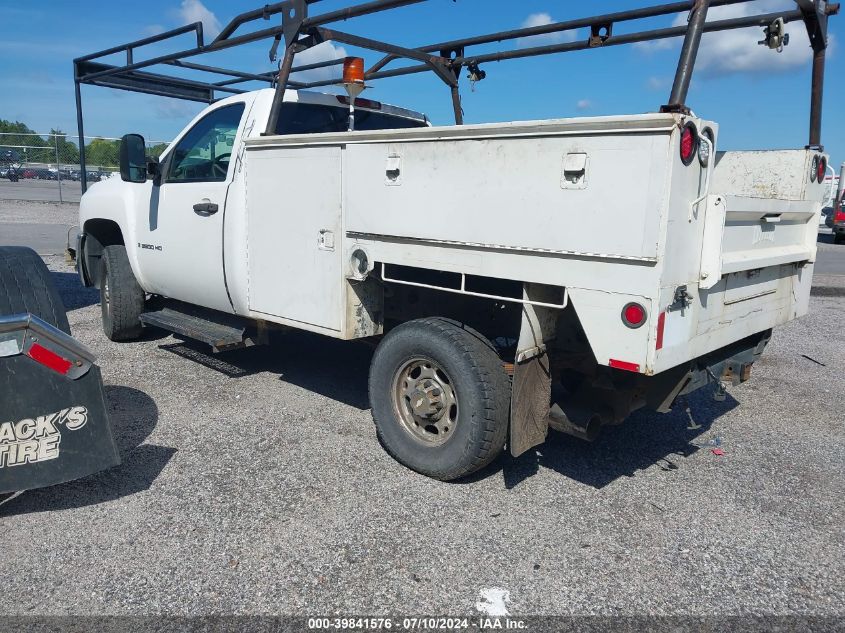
253, 483
45, 190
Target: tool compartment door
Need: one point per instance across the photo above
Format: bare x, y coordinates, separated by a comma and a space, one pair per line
294, 234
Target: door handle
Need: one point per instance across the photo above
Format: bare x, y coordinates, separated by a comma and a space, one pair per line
205, 208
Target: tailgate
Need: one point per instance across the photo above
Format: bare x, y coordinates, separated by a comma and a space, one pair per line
763, 211
743, 234
758, 244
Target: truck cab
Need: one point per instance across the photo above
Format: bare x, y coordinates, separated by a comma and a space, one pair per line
176, 219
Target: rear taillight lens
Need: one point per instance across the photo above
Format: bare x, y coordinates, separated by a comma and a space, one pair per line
839, 211
634, 315
821, 171
689, 143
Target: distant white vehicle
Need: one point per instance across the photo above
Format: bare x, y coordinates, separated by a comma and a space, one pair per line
831, 183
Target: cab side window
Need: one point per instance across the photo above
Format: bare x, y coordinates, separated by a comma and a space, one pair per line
204, 153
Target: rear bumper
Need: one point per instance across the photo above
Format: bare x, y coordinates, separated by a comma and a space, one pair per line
729, 365
740, 306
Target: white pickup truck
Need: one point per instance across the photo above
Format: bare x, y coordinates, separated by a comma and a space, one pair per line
516, 275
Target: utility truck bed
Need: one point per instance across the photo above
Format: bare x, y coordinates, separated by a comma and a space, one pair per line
600, 207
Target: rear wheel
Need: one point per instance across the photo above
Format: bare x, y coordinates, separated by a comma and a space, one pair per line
121, 298
440, 398
837, 238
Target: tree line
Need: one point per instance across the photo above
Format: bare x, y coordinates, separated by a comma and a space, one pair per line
99, 152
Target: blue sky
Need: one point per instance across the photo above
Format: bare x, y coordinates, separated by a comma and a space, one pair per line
760, 98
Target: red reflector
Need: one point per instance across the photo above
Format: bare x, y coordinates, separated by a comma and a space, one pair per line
822, 169
621, 364
49, 359
661, 327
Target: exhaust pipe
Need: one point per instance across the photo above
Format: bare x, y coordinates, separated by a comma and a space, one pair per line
575, 420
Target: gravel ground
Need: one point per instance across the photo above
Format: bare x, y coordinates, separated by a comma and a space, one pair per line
14, 211
253, 483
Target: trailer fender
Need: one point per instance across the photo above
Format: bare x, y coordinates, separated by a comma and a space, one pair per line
53, 421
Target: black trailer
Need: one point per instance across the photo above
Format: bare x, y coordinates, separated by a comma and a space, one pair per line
54, 424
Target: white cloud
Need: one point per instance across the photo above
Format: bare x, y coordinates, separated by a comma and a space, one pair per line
191, 11
543, 19
657, 45
153, 29
737, 51
320, 53
175, 109
657, 83
584, 104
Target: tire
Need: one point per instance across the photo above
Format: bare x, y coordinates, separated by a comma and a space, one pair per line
473, 398
26, 286
837, 238
121, 298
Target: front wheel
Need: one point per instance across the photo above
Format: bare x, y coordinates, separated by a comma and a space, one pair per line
121, 298
440, 398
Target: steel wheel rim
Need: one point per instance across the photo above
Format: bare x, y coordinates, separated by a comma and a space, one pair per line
425, 401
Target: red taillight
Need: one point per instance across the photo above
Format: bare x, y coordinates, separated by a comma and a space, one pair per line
49, 359
822, 169
689, 143
634, 315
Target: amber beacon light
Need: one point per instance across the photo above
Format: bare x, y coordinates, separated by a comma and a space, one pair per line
353, 70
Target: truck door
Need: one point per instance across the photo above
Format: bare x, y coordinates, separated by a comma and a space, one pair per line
181, 237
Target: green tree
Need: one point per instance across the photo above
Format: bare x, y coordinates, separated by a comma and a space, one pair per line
102, 153
157, 149
68, 152
18, 136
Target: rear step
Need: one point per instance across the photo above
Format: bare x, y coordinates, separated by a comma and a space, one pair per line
219, 330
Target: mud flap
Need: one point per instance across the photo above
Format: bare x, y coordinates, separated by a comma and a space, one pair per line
532, 379
53, 421
532, 391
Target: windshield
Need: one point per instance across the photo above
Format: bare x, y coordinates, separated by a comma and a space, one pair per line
309, 118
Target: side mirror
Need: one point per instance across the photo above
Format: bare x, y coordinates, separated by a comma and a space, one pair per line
133, 158
153, 168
